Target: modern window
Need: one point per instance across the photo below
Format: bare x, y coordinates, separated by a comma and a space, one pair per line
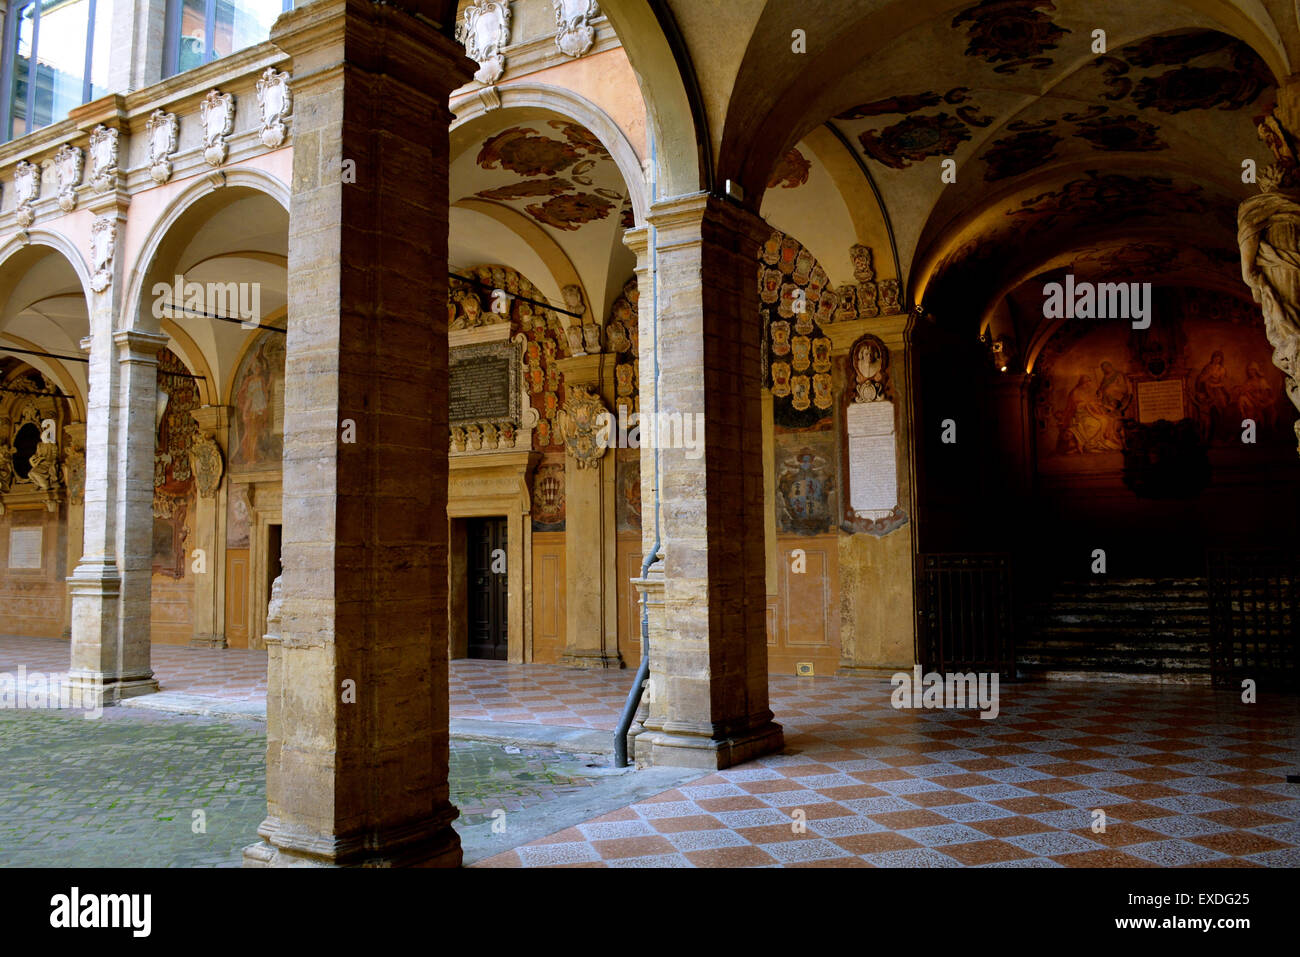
55, 58
200, 31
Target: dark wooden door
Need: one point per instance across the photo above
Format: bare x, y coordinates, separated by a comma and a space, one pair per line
485, 543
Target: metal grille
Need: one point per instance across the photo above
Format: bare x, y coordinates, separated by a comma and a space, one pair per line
965, 613
1254, 629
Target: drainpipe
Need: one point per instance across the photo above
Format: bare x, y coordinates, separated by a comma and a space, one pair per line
643, 669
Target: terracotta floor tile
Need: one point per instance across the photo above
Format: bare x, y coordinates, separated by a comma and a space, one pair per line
1238, 843
983, 852
693, 822
937, 798
1242, 817
735, 803
1121, 834
642, 846
730, 857
901, 820
877, 843
1105, 858
1010, 826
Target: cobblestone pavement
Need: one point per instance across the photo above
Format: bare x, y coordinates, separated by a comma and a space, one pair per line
121, 791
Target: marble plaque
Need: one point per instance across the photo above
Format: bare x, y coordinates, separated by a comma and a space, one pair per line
873, 470
25, 547
1160, 399
483, 384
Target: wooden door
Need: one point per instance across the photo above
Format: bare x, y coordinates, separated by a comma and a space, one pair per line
485, 545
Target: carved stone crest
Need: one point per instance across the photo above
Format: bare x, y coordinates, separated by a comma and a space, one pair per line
276, 103
485, 31
869, 370
581, 421
68, 163
574, 33
103, 158
103, 241
163, 133
217, 113
74, 475
27, 188
207, 464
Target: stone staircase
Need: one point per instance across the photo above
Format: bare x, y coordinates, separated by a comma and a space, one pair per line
1140, 627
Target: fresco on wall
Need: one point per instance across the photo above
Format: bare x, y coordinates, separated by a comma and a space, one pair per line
805, 483
173, 482
257, 418
1204, 362
239, 513
627, 487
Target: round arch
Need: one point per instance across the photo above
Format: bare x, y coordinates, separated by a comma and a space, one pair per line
235, 183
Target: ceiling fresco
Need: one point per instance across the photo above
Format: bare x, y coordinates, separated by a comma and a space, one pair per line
1054, 145
530, 161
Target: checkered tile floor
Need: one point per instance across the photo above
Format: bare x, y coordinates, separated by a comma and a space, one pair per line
1184, 777
232, 674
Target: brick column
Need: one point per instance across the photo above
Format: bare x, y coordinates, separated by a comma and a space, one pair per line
110, 587
708, 671
357, 723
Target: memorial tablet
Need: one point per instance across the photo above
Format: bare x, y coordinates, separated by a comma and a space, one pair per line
873, 473
25, 548
483, 384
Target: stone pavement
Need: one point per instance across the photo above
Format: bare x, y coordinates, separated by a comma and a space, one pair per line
122, 790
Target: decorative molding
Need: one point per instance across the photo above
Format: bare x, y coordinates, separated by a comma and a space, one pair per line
27, 189
580, 421
163, 133
103, 243
103, 158
207, 464
574, 34
485, 31
275, 100
68, 163
217, 113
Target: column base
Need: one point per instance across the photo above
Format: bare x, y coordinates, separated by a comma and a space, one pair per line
430, 843
101, 689
673, 749
208, 641
591, 659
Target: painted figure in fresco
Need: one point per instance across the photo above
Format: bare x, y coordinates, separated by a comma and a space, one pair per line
254, 402
1114, 391
1085, 424
1257, 399
1210, 397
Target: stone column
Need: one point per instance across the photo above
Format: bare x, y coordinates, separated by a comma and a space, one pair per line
357, 707
110, 586
210, 536
590, 536
708, 671
74, 480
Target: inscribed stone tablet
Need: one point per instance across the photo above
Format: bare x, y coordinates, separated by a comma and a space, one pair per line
479, 389
25, 548
873, 473
1162, 399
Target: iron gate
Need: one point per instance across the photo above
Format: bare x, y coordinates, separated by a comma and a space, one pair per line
1254, 629
965, 613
